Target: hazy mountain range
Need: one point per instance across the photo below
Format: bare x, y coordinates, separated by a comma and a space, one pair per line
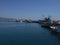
2, 19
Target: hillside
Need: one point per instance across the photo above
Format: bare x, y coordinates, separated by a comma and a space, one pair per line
6, 19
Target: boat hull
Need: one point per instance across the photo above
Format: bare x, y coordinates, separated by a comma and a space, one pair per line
50, 27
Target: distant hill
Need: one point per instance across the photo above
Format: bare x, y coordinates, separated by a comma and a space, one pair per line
2, 19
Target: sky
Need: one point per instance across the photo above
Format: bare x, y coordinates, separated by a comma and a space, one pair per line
30, 9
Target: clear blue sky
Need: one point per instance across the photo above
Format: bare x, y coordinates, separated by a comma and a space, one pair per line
34, 9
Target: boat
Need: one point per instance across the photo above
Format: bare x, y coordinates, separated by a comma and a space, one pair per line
53, 27
47, 24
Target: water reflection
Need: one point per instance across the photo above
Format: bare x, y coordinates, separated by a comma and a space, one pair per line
56, 34
28, 34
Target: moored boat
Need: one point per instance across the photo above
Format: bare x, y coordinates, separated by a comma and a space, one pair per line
53, 27
47, 24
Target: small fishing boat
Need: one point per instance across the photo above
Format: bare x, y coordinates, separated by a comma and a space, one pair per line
47, 24
53, 27
49, 27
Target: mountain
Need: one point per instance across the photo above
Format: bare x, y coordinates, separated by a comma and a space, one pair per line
2, 19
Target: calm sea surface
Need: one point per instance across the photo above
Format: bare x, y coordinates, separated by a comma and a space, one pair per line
26, 34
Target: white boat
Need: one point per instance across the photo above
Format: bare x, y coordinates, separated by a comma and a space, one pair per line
53, 27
